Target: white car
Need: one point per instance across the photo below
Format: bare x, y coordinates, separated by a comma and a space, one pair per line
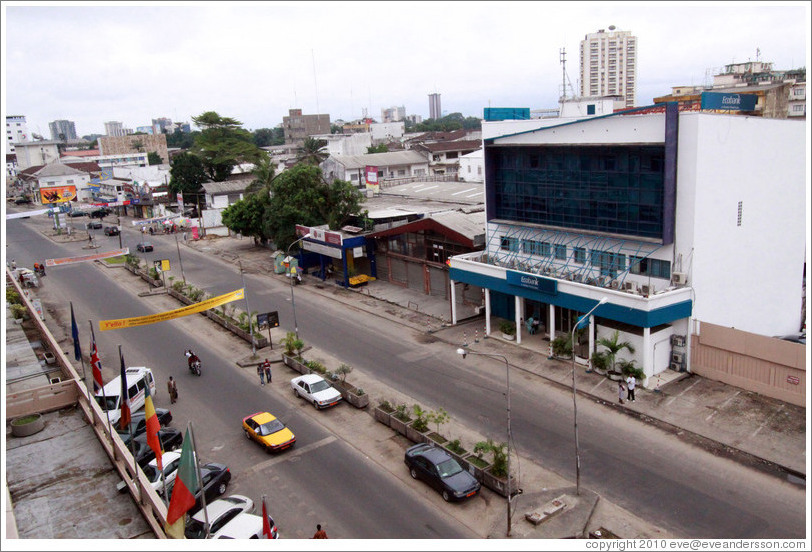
221, 512
315, 389
246, 526
171, 461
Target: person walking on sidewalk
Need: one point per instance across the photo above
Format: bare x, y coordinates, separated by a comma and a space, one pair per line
631, 381
267, 367
320, 533
172, 388
620, 391
261, 373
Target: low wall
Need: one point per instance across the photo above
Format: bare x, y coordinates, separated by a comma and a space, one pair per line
766, 365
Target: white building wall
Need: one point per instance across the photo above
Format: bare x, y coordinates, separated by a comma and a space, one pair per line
384, 132
747, 277
472, 167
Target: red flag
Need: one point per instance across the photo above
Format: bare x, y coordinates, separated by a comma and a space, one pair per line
153, 425
95, 361
185, 485
125, 419
266, 526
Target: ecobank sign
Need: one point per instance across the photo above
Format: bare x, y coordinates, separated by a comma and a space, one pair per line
537, 283
733, 102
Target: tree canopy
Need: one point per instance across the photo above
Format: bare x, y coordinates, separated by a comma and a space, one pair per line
187, 174
312, 151
380, 148
222, 145
153, 158
452, 121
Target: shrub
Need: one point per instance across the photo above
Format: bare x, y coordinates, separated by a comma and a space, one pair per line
343, 370
316, 366
18, 311
153, 273
499, 464
600, 361
401, 414
437, 417
178, 286
629, 369
507, 327
359, 391
289, 342
12, 297
386, 406
562, 346
421, 422
456, 447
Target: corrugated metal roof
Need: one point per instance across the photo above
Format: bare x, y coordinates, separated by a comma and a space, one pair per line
470, 225
57, 169
388, 159
227, 187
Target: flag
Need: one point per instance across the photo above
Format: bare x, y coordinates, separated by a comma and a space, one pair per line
153, 425
183, 491
266, 526
124, 420
77, 349
95, 361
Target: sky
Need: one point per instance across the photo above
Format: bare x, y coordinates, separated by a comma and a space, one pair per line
93, 62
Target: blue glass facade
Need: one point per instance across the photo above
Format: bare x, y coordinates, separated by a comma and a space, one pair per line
606, 189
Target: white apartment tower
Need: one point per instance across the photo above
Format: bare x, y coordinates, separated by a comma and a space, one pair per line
16, 131
114, 128
609, 65
435, 109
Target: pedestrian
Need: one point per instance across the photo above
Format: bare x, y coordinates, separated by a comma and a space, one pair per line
267, 367
13, 264
261, 373
184, 237
620, 390
630, 383
320, 533
172, 388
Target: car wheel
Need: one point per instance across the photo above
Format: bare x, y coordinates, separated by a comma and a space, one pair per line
446, 497
221, 489
295, 393
247, 435
413, 473
315, 404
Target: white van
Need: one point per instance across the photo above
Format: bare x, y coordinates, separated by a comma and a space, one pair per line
138, 377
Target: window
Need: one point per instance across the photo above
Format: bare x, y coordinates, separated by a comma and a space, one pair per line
590, 109
560, 252
579, 255
650, 267
510, 244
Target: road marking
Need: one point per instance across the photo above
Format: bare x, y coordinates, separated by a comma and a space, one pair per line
295, 454
476, 194
594, 387
429, 188
716, 410
681, 393
776, 413
463, 191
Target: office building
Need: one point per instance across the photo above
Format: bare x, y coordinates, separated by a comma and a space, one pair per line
62, 130
16, 131
114, 128
435, 109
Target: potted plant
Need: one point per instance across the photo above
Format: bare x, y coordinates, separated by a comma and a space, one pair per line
27, 425
456, 450
400, 419
383, 412
628, 368
476, 464
508, 329
292, 356
562, 346
600, 363
19, 312
613, 347
496, 476
415, 431
437, 417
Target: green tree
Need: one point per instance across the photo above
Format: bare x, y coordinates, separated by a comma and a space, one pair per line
138, 145
223, 144
246, 216
264, 172
180, 139
312, 151
614, 346
154, 159
269, 137
186, 174
380, 148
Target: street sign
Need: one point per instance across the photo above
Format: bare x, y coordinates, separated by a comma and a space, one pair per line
161, 265
794, 380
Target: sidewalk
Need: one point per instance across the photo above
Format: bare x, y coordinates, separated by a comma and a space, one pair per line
754, 429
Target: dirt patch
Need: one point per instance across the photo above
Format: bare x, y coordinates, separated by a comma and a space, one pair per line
425, 338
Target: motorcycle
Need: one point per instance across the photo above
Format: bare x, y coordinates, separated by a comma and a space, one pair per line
195, 366
39, 269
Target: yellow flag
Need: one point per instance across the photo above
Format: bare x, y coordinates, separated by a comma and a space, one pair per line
170, 315
176, 530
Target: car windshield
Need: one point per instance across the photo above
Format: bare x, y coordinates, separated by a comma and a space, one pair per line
194, 529
107, 403
320, 385
448, 468
271, 427
152, 473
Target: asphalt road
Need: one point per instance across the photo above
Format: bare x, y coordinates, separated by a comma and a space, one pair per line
682, 488
321, 480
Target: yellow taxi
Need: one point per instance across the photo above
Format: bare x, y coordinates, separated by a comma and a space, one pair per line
268, 431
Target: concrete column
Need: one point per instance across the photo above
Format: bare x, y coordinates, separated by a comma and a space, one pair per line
648, 356
551, 324
487, 311
591, 343
519, 308
453, 303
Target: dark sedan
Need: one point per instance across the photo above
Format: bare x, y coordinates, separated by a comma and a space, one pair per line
437, 468
215, 479
170, 437
77, 214
111, 231
94, 224
144, 247
99, 213
138, 423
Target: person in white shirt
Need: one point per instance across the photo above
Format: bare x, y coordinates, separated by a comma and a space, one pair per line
630, 383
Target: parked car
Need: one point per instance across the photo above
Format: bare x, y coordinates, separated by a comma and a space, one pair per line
77, 214
144, 247
94, 224
21, 200
315, 390
111, 231
246, 526
219, 512
268, 431
215, 478
441, 471
171, 462
99, 213
170, 438
138, 423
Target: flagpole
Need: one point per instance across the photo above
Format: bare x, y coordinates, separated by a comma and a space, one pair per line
101, 381
199, 480
77, 349
126, 397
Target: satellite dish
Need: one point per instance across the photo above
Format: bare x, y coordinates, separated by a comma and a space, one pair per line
611, 27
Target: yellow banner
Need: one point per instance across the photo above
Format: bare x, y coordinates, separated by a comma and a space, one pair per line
170, 315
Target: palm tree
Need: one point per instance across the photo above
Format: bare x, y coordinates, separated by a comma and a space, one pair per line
312, 151
614, 346
264, 173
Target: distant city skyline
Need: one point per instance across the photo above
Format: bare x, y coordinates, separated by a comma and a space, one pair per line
497, 55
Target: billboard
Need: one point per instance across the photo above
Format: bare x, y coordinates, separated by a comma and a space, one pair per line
733, 102
371, 176
57, 194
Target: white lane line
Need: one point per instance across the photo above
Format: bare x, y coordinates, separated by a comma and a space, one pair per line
780, 408
672, 399
463, 191
285, 456
721, 406
429, 188
476, 194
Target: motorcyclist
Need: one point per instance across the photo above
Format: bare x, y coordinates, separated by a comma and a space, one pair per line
191, 359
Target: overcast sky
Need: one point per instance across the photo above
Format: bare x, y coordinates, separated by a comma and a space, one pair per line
253, 61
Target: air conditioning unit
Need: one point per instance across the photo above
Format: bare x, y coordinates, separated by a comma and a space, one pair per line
677, 367
56, 380
614, 284
629, 286
679, 278
678, 340
678, 358
647, 289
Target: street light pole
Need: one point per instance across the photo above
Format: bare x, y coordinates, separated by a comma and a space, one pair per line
465, 352
574, 394
292, 303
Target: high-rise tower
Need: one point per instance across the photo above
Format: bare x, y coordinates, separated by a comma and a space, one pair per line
435, 111
609, 65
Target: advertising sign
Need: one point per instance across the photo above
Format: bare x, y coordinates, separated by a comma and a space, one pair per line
731, 102
268, 320
57, 194
544, 285
371, 174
